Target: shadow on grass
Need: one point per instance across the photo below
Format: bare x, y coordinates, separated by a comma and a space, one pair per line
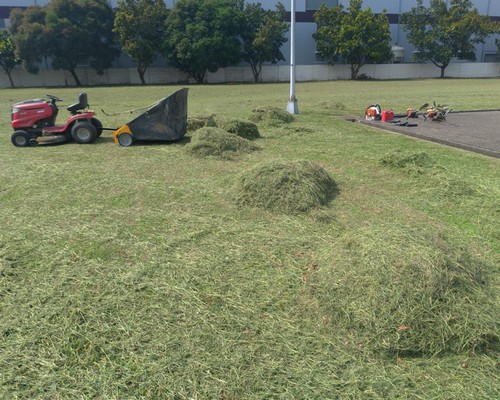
183, 141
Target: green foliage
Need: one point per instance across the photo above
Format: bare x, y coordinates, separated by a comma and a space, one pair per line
8, 59
29, 35
358, 35
69, 33
202, 36
263, 35
140, 26
441, 32
327, 36
365, 37
293, 186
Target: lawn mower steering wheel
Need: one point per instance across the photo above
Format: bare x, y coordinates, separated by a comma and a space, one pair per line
53, 98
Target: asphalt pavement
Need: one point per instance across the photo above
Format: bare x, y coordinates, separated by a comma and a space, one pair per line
477, 131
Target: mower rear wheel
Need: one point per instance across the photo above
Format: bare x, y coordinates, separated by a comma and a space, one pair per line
20, 139
83, 132
125, 139
98, 126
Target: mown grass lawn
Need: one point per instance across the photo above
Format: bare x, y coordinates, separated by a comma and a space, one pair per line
133, 273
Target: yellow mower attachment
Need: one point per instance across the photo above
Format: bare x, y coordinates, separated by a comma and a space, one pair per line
123, 136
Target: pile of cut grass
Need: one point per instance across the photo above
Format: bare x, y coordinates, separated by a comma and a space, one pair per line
294, 186
410, 291
412, 163
451, 186
216, 142
243, 128
200, 121
271, 114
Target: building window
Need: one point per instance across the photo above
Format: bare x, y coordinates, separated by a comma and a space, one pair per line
313, 5
490, 57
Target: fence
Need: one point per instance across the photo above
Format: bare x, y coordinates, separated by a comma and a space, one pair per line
270, 73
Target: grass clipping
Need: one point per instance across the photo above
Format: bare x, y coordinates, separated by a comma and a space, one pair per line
411, 163
271, 114
410, 291
200, 121
243, 128
295, 186
216, 142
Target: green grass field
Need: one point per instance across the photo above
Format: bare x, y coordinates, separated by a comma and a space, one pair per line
132, 272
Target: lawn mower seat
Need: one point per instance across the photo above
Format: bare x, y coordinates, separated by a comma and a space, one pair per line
82, 103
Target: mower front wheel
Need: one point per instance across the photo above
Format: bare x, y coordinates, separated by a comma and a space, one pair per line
83, 132
21, 139
125, 139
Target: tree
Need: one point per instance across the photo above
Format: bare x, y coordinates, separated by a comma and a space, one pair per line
140, 26
8, 59
202, 35
28, 33
327, 36
442, 32
358, 36
263, 36
69, 33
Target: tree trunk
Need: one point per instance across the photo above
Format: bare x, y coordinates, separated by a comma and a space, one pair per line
8, 71
141, 71
75, 77
442, 67
256, 69
355, 70
10, 79
199, 77
442, 71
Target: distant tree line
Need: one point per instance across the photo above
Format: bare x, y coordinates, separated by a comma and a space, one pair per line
200, 36
195, 36
439, 32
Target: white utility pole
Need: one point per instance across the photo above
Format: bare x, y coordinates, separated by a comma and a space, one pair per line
292, 107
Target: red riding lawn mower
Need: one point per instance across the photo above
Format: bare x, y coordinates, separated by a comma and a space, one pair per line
34, 122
